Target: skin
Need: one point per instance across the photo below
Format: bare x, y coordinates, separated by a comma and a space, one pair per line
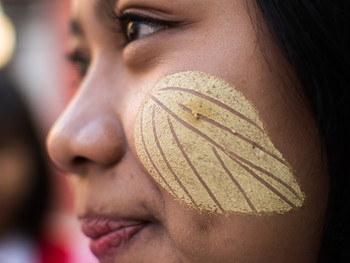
94, 137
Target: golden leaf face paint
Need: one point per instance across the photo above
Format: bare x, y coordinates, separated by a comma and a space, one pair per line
203, 141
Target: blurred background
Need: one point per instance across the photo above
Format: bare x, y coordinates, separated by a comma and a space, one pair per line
33, 44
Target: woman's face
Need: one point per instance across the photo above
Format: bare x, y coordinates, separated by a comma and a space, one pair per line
126, 211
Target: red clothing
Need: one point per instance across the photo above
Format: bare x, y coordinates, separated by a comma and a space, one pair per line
53, 253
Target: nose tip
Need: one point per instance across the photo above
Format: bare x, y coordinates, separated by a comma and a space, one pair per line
72, 143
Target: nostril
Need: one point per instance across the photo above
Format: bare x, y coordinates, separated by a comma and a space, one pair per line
79, 160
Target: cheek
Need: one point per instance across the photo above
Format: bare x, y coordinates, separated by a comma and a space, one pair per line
203, 142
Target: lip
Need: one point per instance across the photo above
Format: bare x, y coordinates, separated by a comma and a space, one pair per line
109, 236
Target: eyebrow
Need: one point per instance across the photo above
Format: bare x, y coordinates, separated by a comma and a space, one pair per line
103, 9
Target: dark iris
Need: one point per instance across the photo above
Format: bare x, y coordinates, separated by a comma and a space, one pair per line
132, 30
139, 29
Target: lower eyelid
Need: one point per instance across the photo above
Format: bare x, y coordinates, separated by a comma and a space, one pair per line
144, 53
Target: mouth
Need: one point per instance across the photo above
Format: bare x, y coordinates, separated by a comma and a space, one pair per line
108, 237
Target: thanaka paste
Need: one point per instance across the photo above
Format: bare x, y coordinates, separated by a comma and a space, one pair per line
203, 141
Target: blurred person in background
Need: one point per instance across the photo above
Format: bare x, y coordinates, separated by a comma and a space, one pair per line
24, 185
31, 33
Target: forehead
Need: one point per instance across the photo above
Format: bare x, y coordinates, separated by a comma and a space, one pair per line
96, 6
183, 5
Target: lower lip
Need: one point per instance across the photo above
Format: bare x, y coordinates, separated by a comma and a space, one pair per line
109, 245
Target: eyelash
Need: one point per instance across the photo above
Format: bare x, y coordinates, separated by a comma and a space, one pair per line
146, 27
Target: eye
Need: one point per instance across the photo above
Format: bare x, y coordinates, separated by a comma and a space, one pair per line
136, 26
80, 62
137, 30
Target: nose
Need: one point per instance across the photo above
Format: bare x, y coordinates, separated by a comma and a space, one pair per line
87, 133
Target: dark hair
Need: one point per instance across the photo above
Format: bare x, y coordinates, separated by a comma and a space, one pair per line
16, 123
315, 38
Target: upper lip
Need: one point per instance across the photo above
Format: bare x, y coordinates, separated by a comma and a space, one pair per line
98, 226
